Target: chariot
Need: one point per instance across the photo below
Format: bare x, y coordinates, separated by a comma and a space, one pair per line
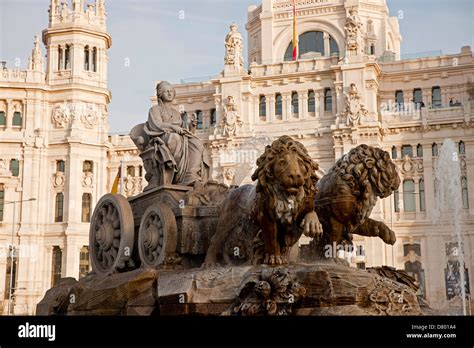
166, 227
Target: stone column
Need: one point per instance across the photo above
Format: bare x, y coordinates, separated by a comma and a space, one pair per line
72, 257
270, 107
317, 103
327, 46
303, 105
321, 105
334, 102
206, 119
9, 114
286, 107
339, 100
426, 93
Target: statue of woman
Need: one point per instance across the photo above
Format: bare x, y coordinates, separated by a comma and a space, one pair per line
178, 154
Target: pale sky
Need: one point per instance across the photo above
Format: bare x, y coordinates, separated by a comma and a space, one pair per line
159, 45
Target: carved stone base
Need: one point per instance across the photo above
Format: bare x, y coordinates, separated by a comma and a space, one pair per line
323, 288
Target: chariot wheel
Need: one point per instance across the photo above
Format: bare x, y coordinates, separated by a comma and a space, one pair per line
157, 237
111, 235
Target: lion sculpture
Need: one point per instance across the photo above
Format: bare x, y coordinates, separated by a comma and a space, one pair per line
348, 193
273, 214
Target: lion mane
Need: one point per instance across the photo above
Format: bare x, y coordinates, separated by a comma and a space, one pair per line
366, 169
270, 193
348, 193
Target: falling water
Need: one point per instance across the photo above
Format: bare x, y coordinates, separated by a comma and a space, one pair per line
448, 198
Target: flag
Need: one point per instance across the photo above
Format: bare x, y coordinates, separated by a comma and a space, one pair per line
116, 181
295, 35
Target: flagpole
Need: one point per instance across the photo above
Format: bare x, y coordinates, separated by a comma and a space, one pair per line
295, 35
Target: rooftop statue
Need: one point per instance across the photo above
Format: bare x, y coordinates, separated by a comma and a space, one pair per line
171, 153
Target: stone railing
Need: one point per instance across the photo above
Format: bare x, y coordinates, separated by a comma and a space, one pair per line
289, 67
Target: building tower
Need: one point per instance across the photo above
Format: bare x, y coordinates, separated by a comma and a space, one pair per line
65, 169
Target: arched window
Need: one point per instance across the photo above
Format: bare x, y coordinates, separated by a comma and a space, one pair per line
200, 124
56, 269
262, 106
436, 101
67, 57
17, 119
58, 209
2, 201
394, 152
327, 99
88, 167
409, 196
407, 150
84, 263
396, 201
465, 193
278, 105
399, 100
419, 151
312, 41
311, 102
434, 150
86, 58
3, 118
421, 186
86, 207
94, 59
462, 148
294, 103
15, 167
60, 58
213, 117
417, 98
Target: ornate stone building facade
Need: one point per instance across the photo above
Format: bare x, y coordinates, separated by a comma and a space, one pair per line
347, 87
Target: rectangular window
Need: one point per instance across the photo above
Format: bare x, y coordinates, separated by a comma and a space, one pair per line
409, 196
294, 103
3, 118
84, 263
140, 171
11, 272
17, 119
263, 106
200, 123
327, 99
56, 268
2, 201
58, 210
436, 101
15, 167
422, 195
86, 207
213, 117
407, 150
311, 102
417, 98
278, 105
60, 166
399, 100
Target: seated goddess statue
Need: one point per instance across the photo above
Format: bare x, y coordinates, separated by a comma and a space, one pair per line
171, 153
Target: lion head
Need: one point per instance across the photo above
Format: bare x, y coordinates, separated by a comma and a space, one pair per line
286, 174
366, 166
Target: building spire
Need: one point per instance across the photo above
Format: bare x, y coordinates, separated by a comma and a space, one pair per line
35, 61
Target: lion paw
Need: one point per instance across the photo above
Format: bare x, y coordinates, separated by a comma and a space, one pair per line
386, 234
311, 225
271, 260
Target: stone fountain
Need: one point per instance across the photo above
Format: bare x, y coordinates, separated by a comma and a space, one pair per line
189, 245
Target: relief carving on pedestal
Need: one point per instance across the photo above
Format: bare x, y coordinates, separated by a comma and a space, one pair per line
61, 116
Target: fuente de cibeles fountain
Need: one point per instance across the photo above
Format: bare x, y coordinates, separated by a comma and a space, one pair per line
448, 201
